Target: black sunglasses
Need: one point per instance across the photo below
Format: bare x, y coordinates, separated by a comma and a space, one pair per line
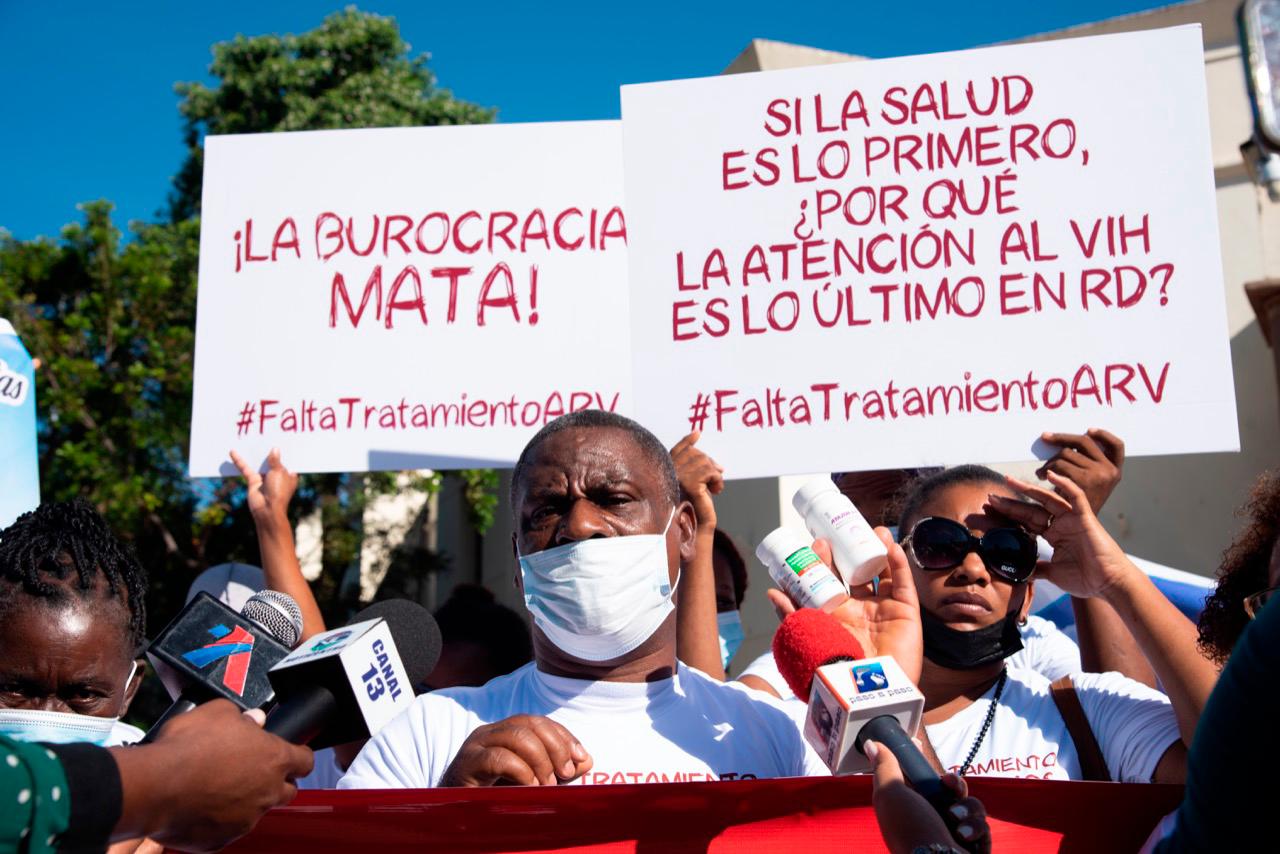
938, 544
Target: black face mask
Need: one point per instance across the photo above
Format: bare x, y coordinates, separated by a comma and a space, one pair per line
957, 650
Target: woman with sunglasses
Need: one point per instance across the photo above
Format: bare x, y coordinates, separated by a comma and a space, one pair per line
970, 541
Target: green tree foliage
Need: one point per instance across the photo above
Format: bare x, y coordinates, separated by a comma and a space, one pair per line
353, 71
113, 326
113, 320
480, 489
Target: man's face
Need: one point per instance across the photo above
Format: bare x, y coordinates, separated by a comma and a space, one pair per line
589, 482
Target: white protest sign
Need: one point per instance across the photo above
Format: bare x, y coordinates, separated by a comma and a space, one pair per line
408, 297
930, 259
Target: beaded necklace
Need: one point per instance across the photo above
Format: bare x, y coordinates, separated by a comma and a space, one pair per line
986, 724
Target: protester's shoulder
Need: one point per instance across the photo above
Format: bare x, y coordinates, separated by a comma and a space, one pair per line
1039, 627
763, 666
1024, 687
1026, 679
460, 708
1046, 635
1046, 649
494, 693
1089, 687
1113, 686
700, 687
694, 681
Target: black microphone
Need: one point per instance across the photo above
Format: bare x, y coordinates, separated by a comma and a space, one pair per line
346, 684
210, 651
916, 770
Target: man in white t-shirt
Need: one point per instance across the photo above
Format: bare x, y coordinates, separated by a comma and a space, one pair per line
600, 535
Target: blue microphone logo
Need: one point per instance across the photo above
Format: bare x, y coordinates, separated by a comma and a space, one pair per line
869, 677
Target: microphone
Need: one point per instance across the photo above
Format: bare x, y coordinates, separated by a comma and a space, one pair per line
346, 684
210, 651
853, 700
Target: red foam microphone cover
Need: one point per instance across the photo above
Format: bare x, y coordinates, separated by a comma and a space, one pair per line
806, 640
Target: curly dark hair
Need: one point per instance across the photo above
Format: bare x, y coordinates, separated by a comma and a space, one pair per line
63, 548
1243, 571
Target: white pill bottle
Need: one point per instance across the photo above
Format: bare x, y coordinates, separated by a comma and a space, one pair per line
829, 515
796, 570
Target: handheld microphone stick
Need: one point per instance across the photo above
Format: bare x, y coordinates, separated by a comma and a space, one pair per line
917, 771
853, 700
209, 651
346, 684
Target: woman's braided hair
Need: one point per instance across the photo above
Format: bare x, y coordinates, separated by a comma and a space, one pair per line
65, 548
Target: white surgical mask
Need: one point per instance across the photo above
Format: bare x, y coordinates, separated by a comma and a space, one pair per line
66, 728
599, 599
729, 625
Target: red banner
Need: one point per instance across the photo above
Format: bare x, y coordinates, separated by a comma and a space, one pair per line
821, 814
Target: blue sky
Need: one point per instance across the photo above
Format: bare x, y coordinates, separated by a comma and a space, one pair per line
91, 113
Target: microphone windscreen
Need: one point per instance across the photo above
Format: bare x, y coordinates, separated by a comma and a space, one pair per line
415, 632
807, 639
277, 613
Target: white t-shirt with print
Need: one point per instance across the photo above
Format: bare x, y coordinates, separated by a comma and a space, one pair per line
688, 728
1045, 649
1134, 725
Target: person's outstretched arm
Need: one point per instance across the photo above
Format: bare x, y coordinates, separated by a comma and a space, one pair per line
232, 773
1088, 563
268, 497
1094, 461
203, 783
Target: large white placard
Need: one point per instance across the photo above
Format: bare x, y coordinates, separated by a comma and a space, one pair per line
930, 259
408, 297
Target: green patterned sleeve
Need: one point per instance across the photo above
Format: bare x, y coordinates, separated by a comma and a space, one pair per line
35, 807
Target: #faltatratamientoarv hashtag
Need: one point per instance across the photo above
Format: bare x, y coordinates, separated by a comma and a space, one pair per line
245, 422
698, 413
